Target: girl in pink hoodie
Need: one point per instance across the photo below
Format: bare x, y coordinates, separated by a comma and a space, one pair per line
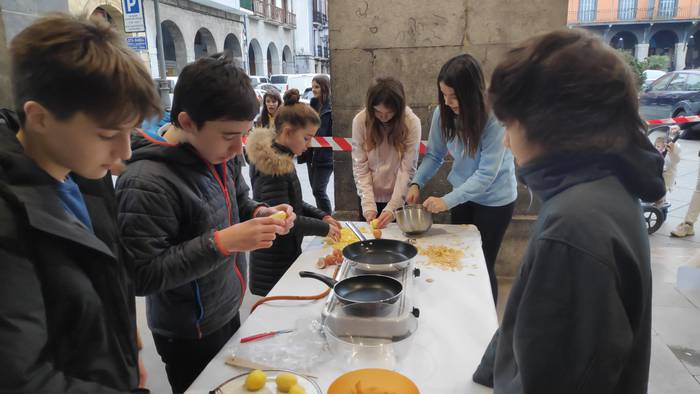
385, 139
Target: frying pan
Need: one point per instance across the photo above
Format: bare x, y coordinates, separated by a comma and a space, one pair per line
369, 289
378, 255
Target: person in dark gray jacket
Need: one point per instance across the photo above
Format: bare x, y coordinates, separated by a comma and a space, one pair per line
185, 218
271, 154
578, 318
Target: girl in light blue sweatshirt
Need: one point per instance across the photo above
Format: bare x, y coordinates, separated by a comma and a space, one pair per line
483, 173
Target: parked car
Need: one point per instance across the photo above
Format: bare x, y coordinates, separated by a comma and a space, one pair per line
650, 76
307, 96
677, 93
284, 82
258, 79
269, 87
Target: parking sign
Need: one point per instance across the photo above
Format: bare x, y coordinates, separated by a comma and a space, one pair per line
134, 21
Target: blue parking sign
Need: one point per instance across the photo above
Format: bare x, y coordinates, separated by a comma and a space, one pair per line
137, 43
134, 21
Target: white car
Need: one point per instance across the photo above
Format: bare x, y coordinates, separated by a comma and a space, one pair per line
258, 79
284, 82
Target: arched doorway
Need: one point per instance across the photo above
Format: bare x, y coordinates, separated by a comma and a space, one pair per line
255, 58
663, 43
273, 59
624, 41
232, 47
204, 44
174, 50
287, 60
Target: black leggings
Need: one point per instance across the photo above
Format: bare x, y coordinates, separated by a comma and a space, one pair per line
492, 223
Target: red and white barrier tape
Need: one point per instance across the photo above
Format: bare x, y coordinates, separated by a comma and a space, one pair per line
345, 144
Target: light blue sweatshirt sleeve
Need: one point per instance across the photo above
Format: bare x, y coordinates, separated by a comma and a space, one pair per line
435, 153
492, 155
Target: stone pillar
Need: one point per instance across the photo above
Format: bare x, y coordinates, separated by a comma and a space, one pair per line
641, 52
411, 41
679, 55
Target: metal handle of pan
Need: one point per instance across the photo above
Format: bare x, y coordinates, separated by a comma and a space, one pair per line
356, 231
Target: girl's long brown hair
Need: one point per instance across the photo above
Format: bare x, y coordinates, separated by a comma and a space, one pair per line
389, 92
265, 115
463, 74
325, 83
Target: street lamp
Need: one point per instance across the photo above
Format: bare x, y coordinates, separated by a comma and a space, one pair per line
620, 43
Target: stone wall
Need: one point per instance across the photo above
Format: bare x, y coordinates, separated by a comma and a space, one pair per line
410, 40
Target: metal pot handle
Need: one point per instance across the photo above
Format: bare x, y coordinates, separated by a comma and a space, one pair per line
330, 282
356, 231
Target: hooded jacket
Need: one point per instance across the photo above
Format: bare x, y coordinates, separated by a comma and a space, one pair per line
276, 182
67, 313
578, 318
171, 202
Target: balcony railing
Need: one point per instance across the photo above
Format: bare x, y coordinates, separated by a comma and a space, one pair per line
290, 19
320, 18
259, 7
276, 15
639, 14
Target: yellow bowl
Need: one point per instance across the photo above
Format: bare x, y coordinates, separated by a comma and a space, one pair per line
373, 381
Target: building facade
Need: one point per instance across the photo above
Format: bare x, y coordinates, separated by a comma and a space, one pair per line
644, 27
311, 39
258, 33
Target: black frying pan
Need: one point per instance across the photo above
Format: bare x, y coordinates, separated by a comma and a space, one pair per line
378, 255
362, 288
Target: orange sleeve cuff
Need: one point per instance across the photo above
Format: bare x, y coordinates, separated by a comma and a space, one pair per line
219, 246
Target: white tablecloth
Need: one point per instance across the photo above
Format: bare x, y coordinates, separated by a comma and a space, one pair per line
457, 317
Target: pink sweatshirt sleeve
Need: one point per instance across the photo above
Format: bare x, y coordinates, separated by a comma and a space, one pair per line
360, 164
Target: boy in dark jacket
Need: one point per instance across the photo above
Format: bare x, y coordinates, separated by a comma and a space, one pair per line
67, 316
186, 218
271, 154
578, 319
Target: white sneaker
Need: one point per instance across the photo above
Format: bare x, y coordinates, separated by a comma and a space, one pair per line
683, 230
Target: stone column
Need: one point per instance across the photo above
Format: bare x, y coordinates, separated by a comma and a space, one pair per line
679, 55
641, 52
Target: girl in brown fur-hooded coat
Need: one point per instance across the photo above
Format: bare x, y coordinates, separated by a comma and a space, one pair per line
271, 153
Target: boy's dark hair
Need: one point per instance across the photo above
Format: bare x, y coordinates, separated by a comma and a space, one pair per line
294, 113
570, 92
463, 74
73, 64
214, 88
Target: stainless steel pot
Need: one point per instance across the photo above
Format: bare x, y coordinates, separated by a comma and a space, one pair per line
413, 219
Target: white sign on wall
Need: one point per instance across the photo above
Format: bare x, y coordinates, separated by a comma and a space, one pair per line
134, 21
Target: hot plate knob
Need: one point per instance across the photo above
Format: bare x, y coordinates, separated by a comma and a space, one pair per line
415, 312
416, 272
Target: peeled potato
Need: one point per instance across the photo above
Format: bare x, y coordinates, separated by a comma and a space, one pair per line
255, 380
279, 215
285, 381
374, 223
377, 234
296, 389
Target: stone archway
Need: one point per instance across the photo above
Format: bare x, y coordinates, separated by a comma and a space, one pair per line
273, 60
204, 44
287, 60
233, 48
174, 48
255, 59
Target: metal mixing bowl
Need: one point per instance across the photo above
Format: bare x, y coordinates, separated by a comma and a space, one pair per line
413, 219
